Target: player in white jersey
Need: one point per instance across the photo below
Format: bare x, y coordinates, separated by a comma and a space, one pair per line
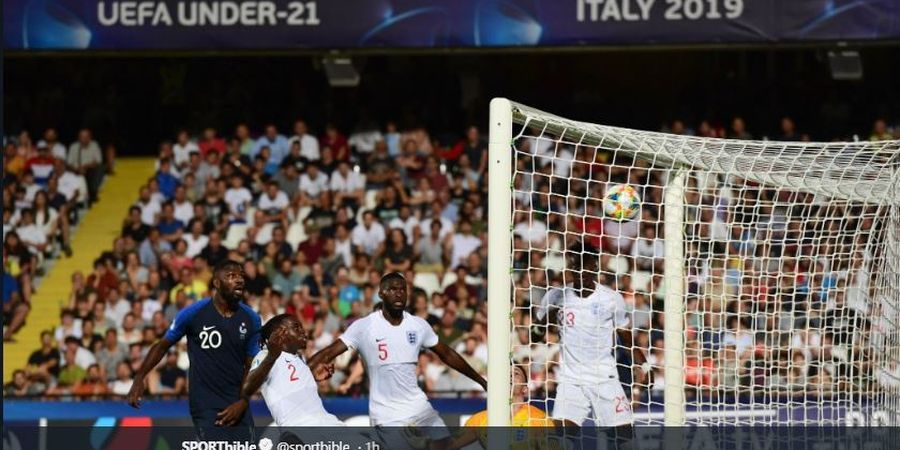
288, 385
589, 317
389, 341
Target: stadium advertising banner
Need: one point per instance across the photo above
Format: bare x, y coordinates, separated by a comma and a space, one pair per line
454, 412
287, 24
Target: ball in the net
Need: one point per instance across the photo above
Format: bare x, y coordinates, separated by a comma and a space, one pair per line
621, 202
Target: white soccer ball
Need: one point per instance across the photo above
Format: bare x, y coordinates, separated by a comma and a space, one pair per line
621, 202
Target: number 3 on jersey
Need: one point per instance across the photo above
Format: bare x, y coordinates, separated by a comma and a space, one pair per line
570, 319
382, 351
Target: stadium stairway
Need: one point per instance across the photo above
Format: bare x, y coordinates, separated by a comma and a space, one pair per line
95, 234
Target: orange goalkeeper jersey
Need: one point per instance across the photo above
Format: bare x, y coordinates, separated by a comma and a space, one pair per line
528, 416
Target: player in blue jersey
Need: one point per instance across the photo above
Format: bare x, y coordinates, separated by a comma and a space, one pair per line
223, 338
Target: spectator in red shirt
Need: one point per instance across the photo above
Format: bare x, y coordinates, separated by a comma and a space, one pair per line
211, 142
437, 179
313, 246
591, 225
411, 163
452, 154
337, 142
41, 166
102, 280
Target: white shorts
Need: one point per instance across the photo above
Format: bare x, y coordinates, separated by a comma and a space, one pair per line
605, 403
428, 423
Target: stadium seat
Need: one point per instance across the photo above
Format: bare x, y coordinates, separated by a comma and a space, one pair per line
428, 282
236, 233
264, 235
302, 213
371, 202
640, 280
250, 216
371, 199
296, 234
618, 265
449, 278
555, 261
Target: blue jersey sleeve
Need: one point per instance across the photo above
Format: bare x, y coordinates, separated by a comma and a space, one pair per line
182, 319
253, 340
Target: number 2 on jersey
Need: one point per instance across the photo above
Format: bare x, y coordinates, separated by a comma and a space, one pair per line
293, 369
382, 351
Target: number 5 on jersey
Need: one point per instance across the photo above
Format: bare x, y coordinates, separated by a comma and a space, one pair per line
382, 351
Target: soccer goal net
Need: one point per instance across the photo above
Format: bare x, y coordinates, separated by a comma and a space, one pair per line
760, 280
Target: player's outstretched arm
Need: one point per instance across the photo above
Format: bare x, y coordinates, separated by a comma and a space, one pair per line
154, 356
452, 359
327, 354
258, 375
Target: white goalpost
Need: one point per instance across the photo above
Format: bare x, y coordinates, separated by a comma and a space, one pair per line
761, 279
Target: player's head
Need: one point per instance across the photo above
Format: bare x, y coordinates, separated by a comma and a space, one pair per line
286, 328
392, 291
228, 280
519, 382
582, 261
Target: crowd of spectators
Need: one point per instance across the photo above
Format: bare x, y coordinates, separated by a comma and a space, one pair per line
782, 295
316, 221
46, 187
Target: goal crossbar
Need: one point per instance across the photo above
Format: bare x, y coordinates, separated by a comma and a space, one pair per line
817, 168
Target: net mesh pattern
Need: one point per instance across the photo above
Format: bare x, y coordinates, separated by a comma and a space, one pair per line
791, 278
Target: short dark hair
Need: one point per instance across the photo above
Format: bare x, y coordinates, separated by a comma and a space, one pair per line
225, 265
521, 369
390, 277
580, 249
266, 331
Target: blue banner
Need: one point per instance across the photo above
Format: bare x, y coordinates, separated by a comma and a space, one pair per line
25, 411
455, 411
347, 24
